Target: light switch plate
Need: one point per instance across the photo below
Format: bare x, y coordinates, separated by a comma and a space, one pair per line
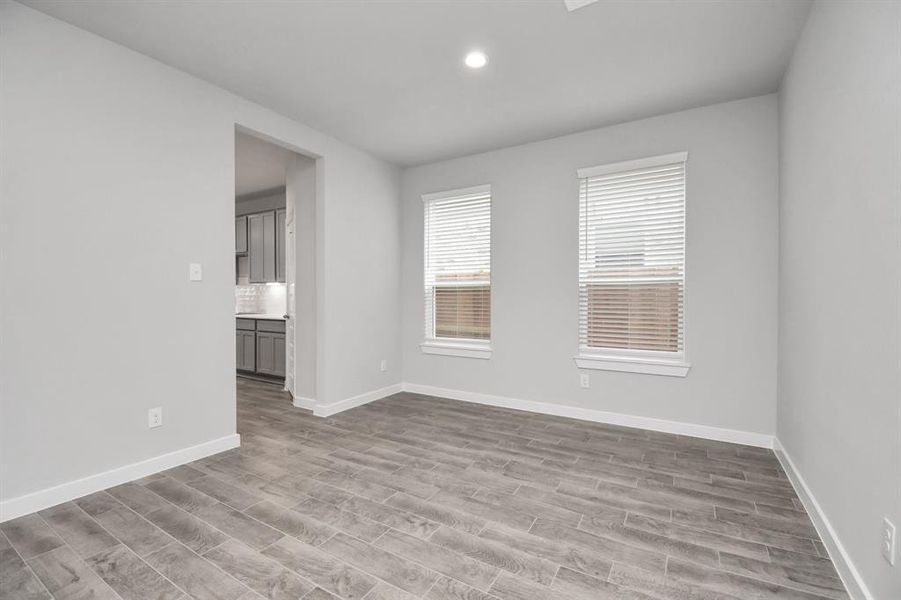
584, 380
195, 272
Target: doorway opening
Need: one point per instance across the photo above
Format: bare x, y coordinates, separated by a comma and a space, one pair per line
275, 282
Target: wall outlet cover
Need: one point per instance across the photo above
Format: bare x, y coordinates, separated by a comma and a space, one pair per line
195, 272
154, 417
584, 380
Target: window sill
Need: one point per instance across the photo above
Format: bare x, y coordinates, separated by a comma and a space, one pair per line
633, 364
462, 349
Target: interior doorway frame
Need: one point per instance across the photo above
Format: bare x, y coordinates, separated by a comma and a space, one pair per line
309, 399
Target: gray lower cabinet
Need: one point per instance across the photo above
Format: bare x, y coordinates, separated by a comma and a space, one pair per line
246, 350
261, 247
271, 353
279, 351
280, 231
260, 346
241, 235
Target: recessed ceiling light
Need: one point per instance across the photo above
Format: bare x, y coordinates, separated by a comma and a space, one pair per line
476, 60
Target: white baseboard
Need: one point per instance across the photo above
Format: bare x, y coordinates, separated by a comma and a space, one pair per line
748, 438
327, 410
305, 403
849, 574
35, 501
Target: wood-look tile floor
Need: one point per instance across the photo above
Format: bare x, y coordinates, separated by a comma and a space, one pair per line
420, 497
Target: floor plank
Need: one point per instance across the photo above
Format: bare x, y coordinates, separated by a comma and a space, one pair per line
439, 559
80, 532
195, 575
67, 577
17, 580
131, 577
397, 571
30, 535
262, 574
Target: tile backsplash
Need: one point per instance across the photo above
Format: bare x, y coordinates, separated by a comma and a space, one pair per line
268, 298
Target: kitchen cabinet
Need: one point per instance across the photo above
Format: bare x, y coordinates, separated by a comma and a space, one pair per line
245, 342
270, 353
280, 232
260, 346
261, 247
241, 235
260, 243
279, 351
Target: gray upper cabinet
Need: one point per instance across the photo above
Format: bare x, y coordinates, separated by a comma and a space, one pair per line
261, 245
241, 235
280, 234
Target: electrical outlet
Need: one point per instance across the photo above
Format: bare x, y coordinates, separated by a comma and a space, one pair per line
154, 417
383, 366
584, 380
888, 541
195, 272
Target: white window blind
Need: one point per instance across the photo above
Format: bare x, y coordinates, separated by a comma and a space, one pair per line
632, 257
458, 265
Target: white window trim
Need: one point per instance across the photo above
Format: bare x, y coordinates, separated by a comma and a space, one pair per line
476, 189
629, 165
459, 347
634, 361
647, 362
463, 349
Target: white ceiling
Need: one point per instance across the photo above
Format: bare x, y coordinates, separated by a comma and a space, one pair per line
388, 76
259, 165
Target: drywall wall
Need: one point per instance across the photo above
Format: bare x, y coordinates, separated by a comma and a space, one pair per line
301, 192
732, 233
119, 170
840, 274
247, 205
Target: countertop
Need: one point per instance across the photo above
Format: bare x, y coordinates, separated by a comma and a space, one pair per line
260, 316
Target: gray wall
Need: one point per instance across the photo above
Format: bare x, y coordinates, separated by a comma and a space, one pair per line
730, 278
840, 271
252, 203
301, 190
118, 171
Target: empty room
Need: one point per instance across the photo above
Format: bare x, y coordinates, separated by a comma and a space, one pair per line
531, 299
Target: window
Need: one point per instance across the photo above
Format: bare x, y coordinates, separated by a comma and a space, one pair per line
458, 272
632, 266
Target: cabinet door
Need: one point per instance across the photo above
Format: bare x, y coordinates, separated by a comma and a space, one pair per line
246, 350
250, 351
241, 235
265, 353
278, 353
261, 246
280, 250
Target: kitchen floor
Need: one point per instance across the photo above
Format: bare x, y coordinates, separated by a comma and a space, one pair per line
420, 497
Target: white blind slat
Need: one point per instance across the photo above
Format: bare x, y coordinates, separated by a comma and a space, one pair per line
632, 257
458, 265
